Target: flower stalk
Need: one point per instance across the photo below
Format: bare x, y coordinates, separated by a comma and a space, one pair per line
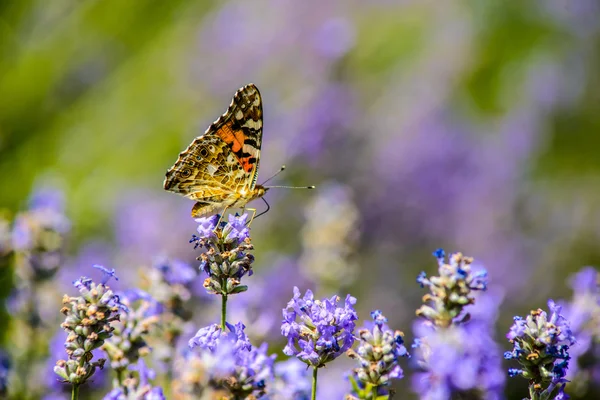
314, 383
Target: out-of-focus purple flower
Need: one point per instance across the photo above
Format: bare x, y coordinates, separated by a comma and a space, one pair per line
317, 332
141, 220
138, 386
262, 319
38, 236
334, 38
583, 313
541, 346
4, 371
452, 290
330, 237
232, 362
128, 342
378, 354
175, 272
457, 359
292, 381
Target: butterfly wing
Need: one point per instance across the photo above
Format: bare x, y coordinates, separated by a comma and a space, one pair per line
225, 159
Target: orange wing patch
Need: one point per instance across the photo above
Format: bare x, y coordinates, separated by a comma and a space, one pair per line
235, 140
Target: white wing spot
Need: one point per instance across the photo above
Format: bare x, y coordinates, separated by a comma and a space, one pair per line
211, 169
239, 115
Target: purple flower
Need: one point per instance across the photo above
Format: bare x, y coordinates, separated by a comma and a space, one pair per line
292, 381
39, 234
88, 324
378, 354
176, 272
138, 387
236, 230
4, 371
207, 225
456, 360
226, 259
583, 313
232, 362
150, 304
128, 342
318, 331
452, 290
541, 345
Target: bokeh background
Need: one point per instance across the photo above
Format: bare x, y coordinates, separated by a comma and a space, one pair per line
468, 125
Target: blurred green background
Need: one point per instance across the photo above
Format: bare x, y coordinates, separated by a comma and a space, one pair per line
469, 125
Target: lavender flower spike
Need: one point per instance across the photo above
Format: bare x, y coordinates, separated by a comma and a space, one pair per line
318, 331
88, 319
451, 291
541, 346
226, 260
232, 363
379, 352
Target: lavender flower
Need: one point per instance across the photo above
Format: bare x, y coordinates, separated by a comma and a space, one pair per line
451, 291
232, 363
458, 361
323, 331
456, 354
168, 283
583, 313
88, 319
226, 260
4, 371
38, 236
137, 386
128, 342
378, 353
541, 346
292, 381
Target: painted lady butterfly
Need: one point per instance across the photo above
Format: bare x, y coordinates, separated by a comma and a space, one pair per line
219, 169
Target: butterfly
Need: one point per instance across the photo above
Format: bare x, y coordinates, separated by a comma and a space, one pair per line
219, 169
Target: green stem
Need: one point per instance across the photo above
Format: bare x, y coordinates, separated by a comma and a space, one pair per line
374, 392
223, 312
75, 392
119, 372
314, 384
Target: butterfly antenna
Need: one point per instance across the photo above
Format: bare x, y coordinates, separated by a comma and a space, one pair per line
275, 174
291, 187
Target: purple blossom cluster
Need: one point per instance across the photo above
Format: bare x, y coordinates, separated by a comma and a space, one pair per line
378, 353
318, 331
456, 361
138, 386
583, 314
226, 259
454, 351
231, 362
541, 345
88, 324
452, 290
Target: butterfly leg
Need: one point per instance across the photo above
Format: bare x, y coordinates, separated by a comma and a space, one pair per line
253, 215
